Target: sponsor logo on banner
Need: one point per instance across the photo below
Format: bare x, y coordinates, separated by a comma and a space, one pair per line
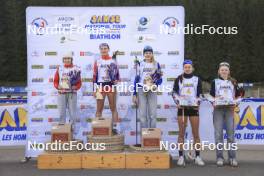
86, 106
162, 119
120, 53
87, 94
125, 79
35, 53
145, 38
249, 120
50, 53
52, 119
171, 23
51, 80
37, 66
39, 24
87, 79
125, 93
37, 80
175, 66
51, 106
37, 119
110, 26
38, 106
53, 67
170, 79
169, 106
136, 53
122, 107
47, 133
143, 23
123, 66
173, 133
65, 39
34, 93
162, 66
66, 23
173, 52
157, 53
15, 123
34, 133
86, 53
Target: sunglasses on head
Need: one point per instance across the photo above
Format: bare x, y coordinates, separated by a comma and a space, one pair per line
224, 64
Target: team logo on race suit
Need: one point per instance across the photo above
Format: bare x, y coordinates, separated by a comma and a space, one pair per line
171, 24
39, 24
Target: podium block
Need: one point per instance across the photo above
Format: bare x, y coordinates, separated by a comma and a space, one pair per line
103, 160
60, 161
148, 160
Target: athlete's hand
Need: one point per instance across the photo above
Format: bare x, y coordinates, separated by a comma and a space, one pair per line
74, 87
135, 99
59, 87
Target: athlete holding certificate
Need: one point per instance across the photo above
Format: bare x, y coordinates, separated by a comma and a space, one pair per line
67, 81
186, 92
225, 93
105, 76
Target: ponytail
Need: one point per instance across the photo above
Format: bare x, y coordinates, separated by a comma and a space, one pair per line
233, 80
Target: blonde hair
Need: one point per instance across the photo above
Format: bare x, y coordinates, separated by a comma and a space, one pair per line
152, 59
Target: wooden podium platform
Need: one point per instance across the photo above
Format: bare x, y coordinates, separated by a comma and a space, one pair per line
96, 160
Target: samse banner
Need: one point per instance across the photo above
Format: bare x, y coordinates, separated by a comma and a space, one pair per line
249, 122
249, 117
13, 124
52, 31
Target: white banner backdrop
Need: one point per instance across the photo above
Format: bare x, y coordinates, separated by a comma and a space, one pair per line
127, 29
13, 128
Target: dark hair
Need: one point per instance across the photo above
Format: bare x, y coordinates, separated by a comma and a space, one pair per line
180, 77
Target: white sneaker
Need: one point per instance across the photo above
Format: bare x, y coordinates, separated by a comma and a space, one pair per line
220, 162
198, 160
233, 162
181, 161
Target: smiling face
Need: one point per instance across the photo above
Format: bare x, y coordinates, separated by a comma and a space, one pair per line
224, 72
148, 56
187, 68
104, 50
67, 60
